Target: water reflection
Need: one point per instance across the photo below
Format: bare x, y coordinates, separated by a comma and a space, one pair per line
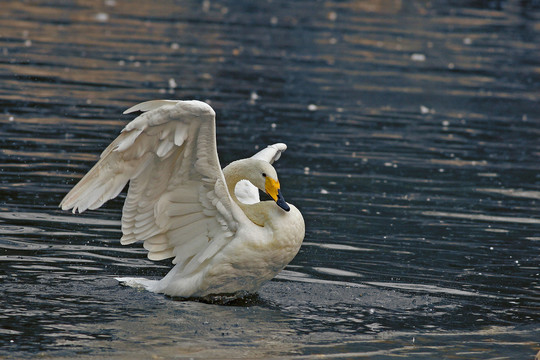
412, 130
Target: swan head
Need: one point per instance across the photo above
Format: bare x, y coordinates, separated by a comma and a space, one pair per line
263, 175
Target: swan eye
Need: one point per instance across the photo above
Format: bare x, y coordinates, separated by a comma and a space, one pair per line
264, 174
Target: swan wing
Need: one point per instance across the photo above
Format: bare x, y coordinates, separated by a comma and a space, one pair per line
271, 153
177, 202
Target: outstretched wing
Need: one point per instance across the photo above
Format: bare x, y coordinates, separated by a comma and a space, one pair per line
177, 202
271, 153
245, 191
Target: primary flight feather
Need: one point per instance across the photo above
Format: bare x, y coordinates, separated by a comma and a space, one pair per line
222, 238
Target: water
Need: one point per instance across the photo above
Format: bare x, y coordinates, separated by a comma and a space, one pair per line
413, 134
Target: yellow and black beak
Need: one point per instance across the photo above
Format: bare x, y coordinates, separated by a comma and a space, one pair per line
272, 188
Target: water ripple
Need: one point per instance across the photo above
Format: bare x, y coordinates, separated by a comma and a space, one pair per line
482, 217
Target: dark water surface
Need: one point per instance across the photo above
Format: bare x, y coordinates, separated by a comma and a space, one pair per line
414, 154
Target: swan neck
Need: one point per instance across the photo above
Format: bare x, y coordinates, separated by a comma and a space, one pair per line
233, 174
257, 212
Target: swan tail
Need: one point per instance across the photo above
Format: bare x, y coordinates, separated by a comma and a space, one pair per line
139, 283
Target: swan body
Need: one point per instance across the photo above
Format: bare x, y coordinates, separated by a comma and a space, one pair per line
222, 238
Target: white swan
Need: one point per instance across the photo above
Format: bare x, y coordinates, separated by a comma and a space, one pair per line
183, 206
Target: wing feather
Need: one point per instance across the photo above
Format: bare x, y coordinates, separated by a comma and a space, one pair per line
271, 153
149, 105
177, 201
161, 255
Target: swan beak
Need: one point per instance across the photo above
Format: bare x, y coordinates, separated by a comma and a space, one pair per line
272, 189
